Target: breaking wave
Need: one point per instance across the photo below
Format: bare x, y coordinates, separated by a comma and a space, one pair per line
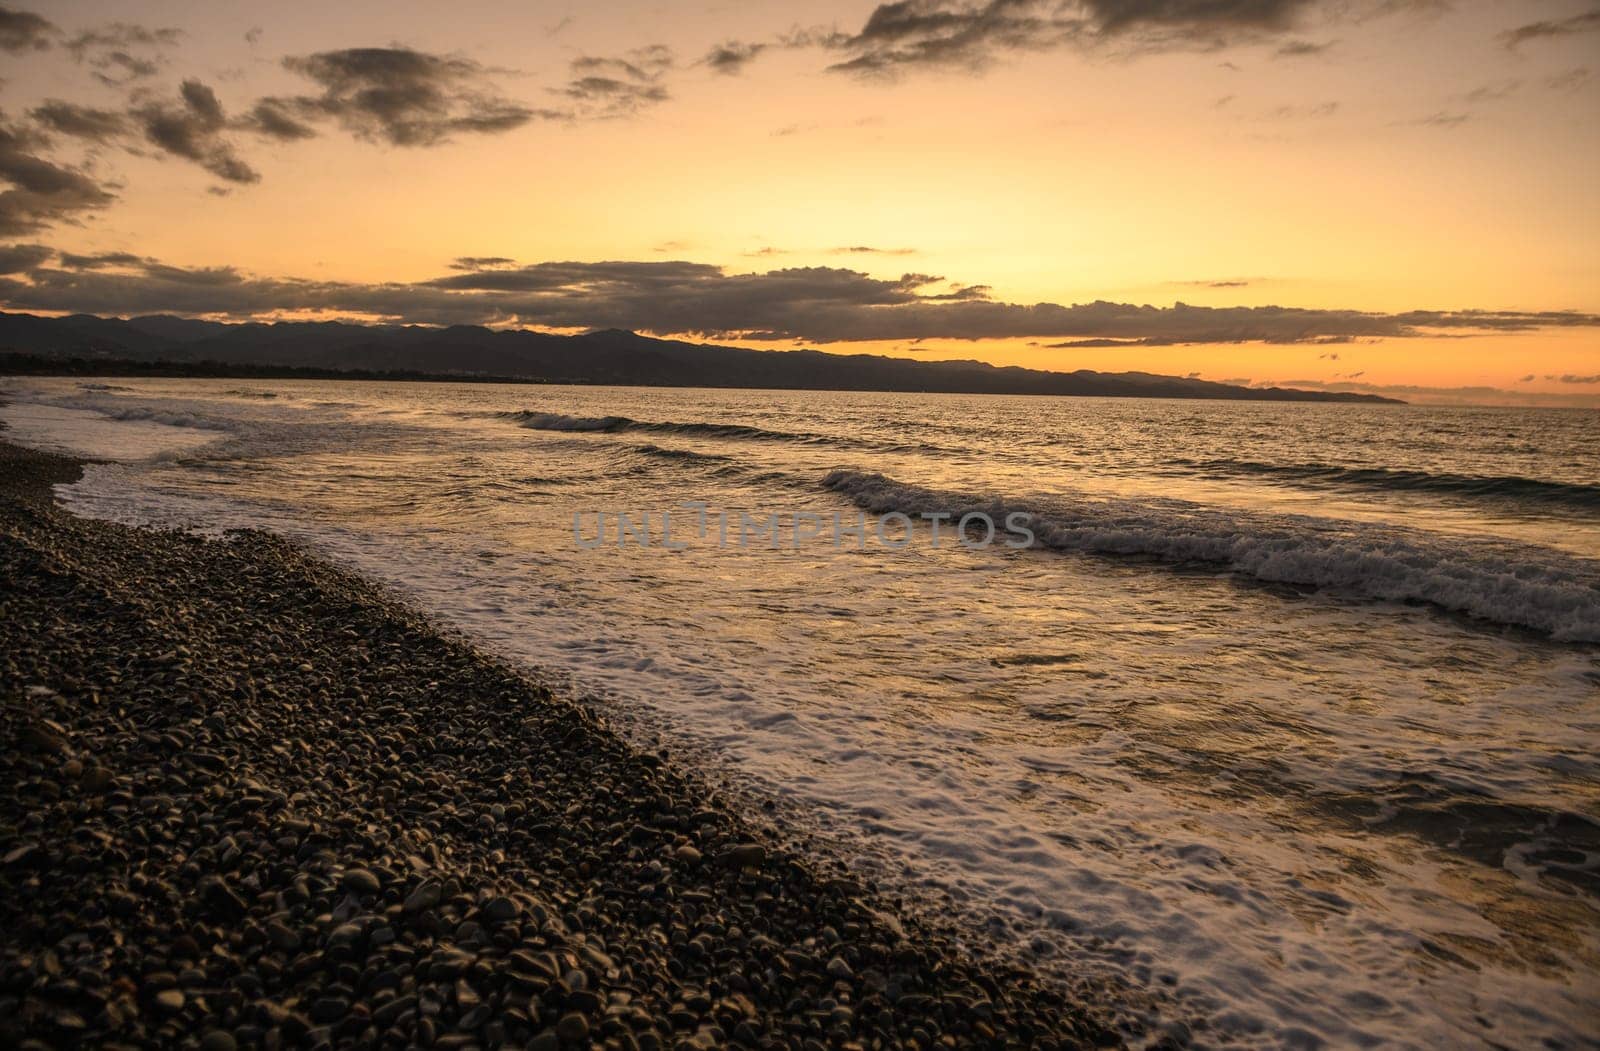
1528, 588
171, 418
553, 421
1509, 487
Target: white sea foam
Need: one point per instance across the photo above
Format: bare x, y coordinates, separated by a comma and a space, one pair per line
1548, 592
165, 417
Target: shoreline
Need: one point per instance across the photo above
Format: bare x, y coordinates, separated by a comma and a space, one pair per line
256, 801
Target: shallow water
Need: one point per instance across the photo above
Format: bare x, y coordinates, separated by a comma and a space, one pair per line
1289, 719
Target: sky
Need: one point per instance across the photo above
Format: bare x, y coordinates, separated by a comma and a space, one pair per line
1386, 195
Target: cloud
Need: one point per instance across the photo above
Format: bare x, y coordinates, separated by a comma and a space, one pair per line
966, 35
971, 35
273, 118
1228, 282
79, 122
193, 129
1106, 343
1315, 111
1492, 92
1529, 378
120, 36
933, 33
15, 259
605, 88
481, 262
22, 31
1569, 378
869, 250
40, 192
732, 56
1303, 49
95, 261
813, 304
1587, 22
111, 51
1441, 119
394, 95
1570, 80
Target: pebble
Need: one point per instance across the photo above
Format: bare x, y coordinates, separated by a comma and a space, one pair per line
360, 881
265, 805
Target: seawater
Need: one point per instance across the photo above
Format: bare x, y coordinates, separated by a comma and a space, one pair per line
1286, 727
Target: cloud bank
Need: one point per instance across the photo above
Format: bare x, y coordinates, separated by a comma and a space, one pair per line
817, 305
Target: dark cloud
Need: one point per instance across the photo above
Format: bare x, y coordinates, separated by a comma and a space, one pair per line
22, 31
732, 56
959, 34
1203, 16
79, 122
15, 259
814, 304
398, 96
116, 69
604, 88
193, 129
869, 250
900, 36
121, 36
1303, 49
1587, 22
1104, 343
39, 192
481, 262
911, 33
98, 260
122, 52
274, 119
1570, 378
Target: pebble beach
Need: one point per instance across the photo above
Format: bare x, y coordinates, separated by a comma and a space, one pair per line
250, 800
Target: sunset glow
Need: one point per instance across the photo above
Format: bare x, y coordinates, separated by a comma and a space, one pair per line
1379, 158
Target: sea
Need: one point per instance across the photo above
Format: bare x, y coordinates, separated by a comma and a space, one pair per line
1278, 723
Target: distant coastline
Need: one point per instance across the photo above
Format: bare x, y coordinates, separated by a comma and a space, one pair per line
14, 364
87, 345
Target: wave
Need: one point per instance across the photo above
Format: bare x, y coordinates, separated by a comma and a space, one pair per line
554, 421
1521, 587
685, 455
1499, 486
163, 416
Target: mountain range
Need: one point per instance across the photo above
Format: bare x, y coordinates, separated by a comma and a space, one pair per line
609, 356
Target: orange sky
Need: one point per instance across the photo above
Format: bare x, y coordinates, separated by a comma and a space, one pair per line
1372, 157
